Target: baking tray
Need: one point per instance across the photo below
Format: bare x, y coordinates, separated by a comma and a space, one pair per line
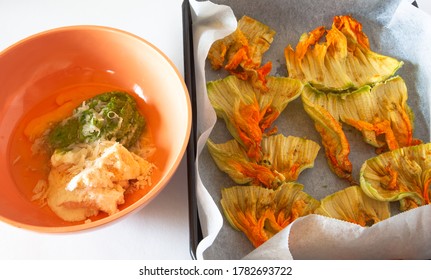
189, 76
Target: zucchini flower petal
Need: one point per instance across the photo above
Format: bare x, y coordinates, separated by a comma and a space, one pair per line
284, 159
289, 155
337, 148
383, 111
400, 175
247, 111
241, 52
261, 213
352, 205
352, 29
231, 158
342, 61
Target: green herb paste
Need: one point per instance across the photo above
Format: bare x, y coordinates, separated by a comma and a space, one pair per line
109, 116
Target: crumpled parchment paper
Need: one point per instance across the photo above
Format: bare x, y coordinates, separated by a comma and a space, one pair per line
394, 28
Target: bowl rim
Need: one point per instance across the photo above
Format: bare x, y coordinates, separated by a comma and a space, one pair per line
156, 188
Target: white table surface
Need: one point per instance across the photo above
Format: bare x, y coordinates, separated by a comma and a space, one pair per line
158, 231
161, 229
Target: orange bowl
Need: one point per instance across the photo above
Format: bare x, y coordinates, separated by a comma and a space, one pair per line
84, 59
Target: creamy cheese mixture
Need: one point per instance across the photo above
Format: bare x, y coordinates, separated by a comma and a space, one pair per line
92, 177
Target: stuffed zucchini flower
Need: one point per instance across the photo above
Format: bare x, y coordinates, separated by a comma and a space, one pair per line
338, 59
402, 175
353, 205
380, 113
241, 52
260, 212
284, 158
249, 112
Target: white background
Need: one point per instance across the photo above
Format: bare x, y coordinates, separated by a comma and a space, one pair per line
158, 231
424, 5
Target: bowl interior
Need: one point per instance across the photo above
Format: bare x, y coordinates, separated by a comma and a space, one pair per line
71, 60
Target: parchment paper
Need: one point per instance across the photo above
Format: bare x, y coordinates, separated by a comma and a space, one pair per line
394, 28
